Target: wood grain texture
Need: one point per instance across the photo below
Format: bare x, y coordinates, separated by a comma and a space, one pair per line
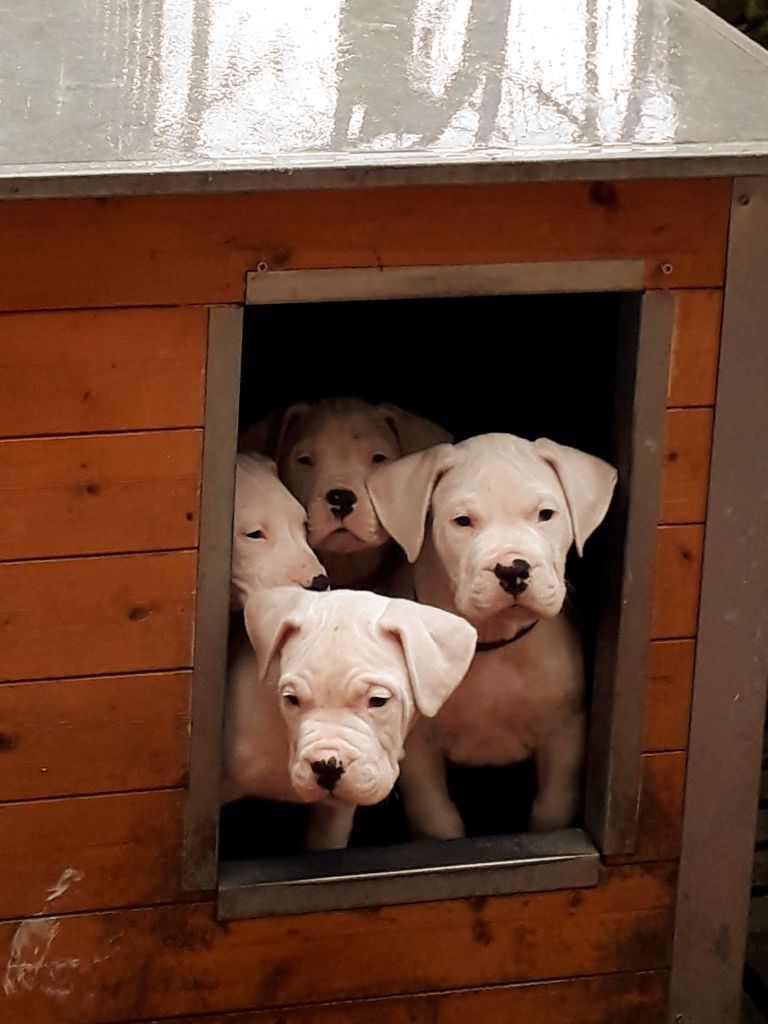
99, 494
668, 697
90, 371
140, 964
91, 616
195, 249
695, 347
609, 999
661, 806
100, 851
76, 736
685, 470
676, 582
662, 787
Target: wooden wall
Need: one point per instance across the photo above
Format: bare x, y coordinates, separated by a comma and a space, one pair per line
102, 364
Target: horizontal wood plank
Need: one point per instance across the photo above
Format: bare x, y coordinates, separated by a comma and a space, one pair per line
88, 853
676, 581
99, 494
140, 964
662, 785
685, 472
76, 736
93, 616
98, 370
628, 998
180, 250
695, 347
668, 697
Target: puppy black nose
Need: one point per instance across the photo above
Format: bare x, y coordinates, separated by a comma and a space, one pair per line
328, 772
319, 583
514, 578
341, 501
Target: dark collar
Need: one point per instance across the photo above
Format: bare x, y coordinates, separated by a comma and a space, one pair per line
493, 645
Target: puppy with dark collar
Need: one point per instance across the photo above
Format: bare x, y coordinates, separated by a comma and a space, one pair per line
488, 523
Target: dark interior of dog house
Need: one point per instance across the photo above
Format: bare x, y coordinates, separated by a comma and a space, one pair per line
562, 368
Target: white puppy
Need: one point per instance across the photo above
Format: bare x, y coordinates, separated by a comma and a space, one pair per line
324, 454
319, 713
269, 541
503, 513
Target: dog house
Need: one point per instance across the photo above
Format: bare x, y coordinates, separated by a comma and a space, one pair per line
523, 217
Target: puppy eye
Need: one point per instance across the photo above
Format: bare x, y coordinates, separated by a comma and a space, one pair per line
546, 514
291, 698
377, 702
462, 521
379, 457
304, 460
256, 535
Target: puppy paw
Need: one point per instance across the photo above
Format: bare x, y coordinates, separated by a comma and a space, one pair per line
329, 828
549, 819
444, 826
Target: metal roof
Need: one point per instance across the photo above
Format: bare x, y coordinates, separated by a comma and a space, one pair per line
109, 97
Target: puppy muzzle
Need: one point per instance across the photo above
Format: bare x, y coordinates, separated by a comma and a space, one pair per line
513, 578
318, 583
509, 584
344, 527
328, 772
341, 501
341, 775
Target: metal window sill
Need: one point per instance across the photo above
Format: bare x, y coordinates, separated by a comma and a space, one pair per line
407, 873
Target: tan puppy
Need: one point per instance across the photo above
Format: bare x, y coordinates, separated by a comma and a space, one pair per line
319, 713
503, 513
324, 454
269, 540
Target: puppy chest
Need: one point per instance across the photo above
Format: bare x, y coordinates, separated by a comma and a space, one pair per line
486, 724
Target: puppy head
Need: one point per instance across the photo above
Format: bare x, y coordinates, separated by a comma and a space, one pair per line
504, 512
349, 670
325, 453
269, 543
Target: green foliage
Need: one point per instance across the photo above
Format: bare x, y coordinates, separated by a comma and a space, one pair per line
751, 16
756, 10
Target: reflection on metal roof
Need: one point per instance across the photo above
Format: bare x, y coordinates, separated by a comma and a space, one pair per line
109, 88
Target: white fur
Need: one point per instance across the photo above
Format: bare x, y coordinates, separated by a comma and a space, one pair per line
492, 500
334, 445
300, 695
281, 555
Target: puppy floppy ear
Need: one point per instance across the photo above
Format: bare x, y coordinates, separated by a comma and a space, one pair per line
270, 618
413, 433
438, 649
587, 483
290, 419
261, 437
401, 493
269, 436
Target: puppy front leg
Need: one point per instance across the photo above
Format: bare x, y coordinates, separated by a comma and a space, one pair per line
559, 759
330, 826
428, 806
